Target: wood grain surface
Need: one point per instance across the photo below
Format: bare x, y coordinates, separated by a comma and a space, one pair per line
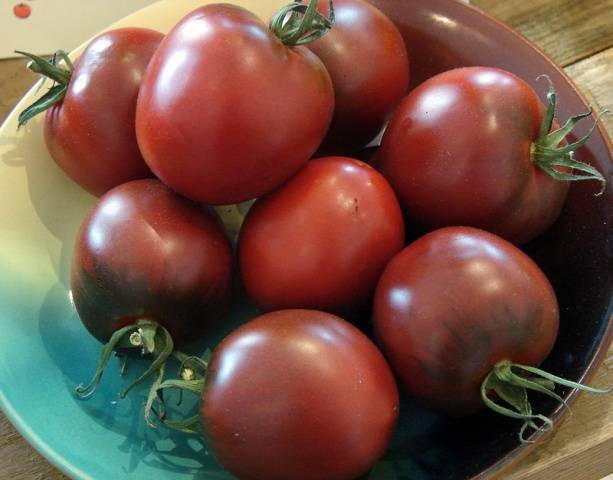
578, 35
568, 30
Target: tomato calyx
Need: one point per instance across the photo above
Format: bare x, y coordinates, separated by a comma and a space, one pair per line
48, 69
147, 337
192, 375
298, 24
511, 382
547, 153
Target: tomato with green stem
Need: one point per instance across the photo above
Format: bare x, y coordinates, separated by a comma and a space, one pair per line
229, 110
464, 318
150, 270
284, 390
89, 122
472, 146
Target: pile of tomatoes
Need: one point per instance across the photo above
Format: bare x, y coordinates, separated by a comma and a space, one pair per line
225, 109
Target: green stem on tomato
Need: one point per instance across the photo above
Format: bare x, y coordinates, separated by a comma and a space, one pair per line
511, 382
150, 339
298, 24
547, 153
192, 375
48, 69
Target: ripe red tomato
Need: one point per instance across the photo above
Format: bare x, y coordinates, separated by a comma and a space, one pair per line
227, 112
22, 10
91, 133
298, 394
369, 66
465, 148
143, 252
452, 305
322, 239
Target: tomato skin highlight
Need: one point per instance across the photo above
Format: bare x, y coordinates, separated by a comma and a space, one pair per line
322, 239
453, 304
298, 394
458, 152
368, 62
227, 112
91, 133
143, 252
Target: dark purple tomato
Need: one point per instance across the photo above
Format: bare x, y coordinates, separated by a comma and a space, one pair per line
227, 112
460, 150
322, 239
369, 66
298, 394
91, 133
143, 252
455, 303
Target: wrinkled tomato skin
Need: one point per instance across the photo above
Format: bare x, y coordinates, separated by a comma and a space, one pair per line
298, 394
453, 304
458, 152
145, 252
227, 112
322, 239
91, 133
368, 62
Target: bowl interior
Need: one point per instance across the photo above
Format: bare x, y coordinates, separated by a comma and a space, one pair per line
45, 352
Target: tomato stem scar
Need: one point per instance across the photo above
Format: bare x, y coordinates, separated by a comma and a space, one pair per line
136, 339
187, 374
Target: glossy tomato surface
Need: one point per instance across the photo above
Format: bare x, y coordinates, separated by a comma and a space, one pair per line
227, 112
322, 239
145, 252
91, 133
369, 66
298, 394
458, 152
453, 304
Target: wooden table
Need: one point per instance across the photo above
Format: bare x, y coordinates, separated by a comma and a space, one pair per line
578, 35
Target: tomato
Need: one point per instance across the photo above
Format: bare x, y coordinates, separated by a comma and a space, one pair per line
454, 304
22, 10
322, 239
227, 112
145, 253
369, 66
90, 133
470, 147
298, 394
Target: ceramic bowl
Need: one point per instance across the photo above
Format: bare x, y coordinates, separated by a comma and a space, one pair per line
45, 351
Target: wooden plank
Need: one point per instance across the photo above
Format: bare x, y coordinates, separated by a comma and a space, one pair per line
15, 81
18, 460
594, 77
568, 30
